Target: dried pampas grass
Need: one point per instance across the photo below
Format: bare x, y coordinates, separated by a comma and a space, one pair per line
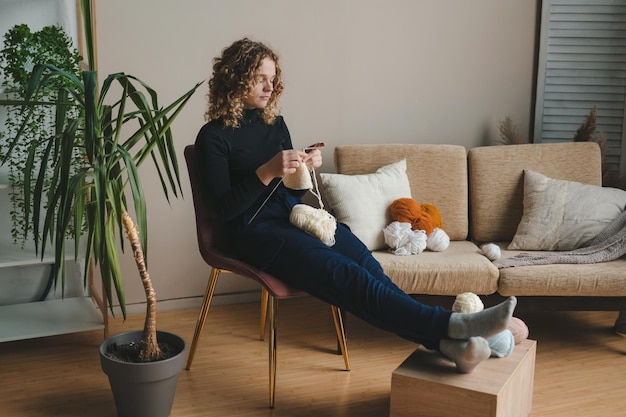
587, 133
509, 133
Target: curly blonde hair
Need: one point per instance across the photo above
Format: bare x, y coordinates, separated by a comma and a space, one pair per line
235, 76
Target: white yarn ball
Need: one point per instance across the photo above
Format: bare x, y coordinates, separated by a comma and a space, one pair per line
491, 251
396, 234
417, 242
467, 302
438, 240
316, 222
402, 240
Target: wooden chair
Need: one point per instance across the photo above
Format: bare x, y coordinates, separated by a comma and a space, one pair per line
217, 255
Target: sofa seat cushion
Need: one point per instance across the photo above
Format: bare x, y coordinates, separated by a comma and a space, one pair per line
460, 268
601, 279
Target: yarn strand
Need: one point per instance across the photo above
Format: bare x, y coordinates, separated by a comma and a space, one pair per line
316, 193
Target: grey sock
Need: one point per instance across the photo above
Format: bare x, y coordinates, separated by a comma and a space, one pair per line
466, 354
485, 323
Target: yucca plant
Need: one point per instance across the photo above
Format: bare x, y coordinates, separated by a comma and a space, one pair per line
118, 127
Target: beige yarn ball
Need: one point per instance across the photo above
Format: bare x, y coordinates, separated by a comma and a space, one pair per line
467, 302
491, 251
316, 222
438, 240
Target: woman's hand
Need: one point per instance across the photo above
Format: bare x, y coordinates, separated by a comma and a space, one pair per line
284, 162
314, 156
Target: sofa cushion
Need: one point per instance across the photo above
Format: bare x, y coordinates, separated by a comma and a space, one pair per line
564, 215
437, 175
496, 180
600, 279
362, 201
460, 268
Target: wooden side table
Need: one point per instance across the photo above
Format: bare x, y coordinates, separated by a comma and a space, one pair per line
427, 385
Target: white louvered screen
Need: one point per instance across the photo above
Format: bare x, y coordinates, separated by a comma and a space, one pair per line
582, 63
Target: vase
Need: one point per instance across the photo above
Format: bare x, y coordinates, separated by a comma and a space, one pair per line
143, 389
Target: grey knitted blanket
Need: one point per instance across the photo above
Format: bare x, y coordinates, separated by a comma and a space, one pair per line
607, 246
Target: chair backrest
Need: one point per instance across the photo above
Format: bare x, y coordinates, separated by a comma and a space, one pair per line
213, 248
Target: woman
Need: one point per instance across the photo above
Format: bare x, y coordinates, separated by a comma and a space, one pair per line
244, 151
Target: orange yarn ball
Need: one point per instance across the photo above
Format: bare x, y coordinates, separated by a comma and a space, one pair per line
434, 214
407, 210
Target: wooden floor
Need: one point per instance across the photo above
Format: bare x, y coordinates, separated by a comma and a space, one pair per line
580, 370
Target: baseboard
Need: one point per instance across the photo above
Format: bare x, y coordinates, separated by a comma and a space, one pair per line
196, 302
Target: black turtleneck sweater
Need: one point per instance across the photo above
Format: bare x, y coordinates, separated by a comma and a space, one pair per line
228, 158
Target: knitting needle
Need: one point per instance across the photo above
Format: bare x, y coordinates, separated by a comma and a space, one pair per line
265, 201
318, 145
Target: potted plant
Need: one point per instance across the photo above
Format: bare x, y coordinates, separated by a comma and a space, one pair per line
116, 128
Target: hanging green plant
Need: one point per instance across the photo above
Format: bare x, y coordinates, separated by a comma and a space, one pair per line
95, 156
22, 50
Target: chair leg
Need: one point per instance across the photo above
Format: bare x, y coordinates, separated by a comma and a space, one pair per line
341, 335
264, 297
204, 310
273, 307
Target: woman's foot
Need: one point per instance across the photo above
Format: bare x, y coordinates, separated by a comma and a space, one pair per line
486, 323
466, 354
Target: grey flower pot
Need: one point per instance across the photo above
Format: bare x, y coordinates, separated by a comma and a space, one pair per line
143, 389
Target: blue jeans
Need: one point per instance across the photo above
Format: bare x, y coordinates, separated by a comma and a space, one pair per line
345, 275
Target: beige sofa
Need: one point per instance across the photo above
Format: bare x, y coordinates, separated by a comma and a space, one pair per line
479, 194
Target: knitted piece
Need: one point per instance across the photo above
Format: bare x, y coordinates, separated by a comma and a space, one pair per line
299, 180
607, 246
407, 210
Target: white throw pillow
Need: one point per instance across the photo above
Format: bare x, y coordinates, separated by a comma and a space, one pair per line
564, 215
362, 201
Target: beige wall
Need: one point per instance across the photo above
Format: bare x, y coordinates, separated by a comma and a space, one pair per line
356, 71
